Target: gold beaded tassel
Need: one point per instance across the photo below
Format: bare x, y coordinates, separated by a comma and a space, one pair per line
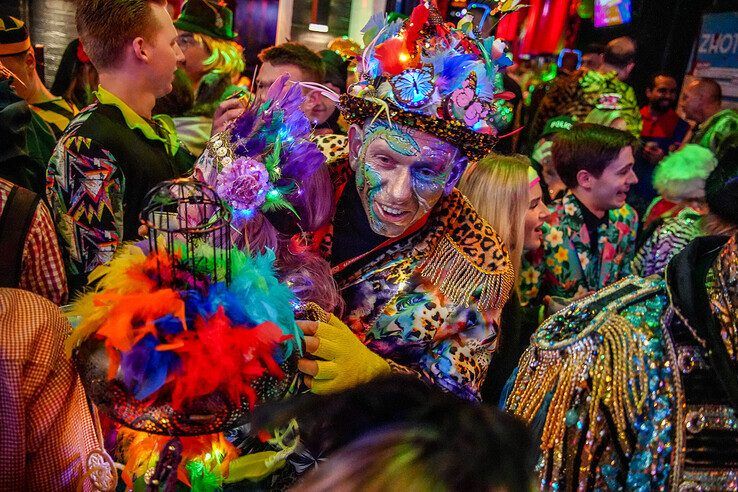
607, 364
460, 281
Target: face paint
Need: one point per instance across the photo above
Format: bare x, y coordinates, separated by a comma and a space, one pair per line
401, 174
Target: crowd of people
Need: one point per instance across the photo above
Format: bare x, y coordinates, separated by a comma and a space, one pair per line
492, 289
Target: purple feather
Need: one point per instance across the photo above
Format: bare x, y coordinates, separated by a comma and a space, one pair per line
145, 369
302, 159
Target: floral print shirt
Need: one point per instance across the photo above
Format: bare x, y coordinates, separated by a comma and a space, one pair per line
566, 265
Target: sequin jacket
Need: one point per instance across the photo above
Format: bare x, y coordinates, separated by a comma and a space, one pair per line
624, 385
565, 265
431, 302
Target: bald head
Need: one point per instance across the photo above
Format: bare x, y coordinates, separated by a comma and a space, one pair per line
701, 99
620, 56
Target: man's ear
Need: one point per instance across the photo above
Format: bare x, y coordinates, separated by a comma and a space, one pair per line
355, 141
585, 179
140, 51
30, 61
455, 175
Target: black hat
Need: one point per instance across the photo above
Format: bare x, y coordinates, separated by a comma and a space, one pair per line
208, 18
14, 37
721, 186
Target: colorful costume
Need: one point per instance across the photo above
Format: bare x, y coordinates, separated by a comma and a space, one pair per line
635, 386
712, 132
577, 94
668, 239
107, 160
431, 301
567, 264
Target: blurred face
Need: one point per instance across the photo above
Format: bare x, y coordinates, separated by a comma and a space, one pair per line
619, 124
608, 192
163, 53
401, 173
691, 102
593, 61
534, 217
22, 66
314, 108
194, 55
663, 94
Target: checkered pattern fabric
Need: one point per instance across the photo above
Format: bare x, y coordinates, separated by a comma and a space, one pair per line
47, 428
42, 271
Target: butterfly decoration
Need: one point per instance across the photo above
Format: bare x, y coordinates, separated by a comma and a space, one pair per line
413, 88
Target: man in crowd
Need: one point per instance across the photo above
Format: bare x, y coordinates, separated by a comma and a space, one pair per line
701, 103
206, 37
303, 65
113, 153
663, 131
423, 276
641, 377
579, 93
16, 53
589, 239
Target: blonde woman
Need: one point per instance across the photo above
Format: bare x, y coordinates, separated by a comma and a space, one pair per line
506, 191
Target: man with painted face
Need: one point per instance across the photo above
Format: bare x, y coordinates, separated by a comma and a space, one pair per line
423, 276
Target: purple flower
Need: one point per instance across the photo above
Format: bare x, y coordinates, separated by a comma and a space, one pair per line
244, 184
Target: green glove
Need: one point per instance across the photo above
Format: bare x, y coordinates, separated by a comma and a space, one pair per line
345, 363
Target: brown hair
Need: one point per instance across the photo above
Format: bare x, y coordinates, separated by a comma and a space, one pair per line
587, 147
620, 52
106, 26
298, 55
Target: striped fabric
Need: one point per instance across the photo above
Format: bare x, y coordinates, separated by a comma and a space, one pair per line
666, 241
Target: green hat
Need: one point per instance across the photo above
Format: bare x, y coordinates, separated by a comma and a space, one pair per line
208, 18
557, 124
14, 37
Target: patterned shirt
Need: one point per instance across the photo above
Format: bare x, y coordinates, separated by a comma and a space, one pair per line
579, 93
107, 160
566, 265
48, 438
42, 269
668, 239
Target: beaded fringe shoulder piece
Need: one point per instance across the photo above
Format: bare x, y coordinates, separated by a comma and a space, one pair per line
588, 344
469, 263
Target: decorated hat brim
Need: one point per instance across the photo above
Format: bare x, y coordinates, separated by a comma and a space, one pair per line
184, 24
473, 145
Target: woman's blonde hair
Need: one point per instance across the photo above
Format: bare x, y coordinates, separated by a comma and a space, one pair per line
226, 57
497, 187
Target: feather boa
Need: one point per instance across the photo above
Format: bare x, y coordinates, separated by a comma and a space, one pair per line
171, 333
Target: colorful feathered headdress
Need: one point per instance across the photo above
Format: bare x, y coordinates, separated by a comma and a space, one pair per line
258, 163
433, 76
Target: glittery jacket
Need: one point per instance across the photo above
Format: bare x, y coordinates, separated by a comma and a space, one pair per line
565, 265
635, 387
430, 303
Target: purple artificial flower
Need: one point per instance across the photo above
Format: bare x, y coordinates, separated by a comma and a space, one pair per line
244, 184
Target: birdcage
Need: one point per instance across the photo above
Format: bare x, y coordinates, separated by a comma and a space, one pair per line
187, 215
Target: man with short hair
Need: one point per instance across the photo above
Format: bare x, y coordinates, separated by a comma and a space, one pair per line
582, 91
114, 152
701, 103
303, 65
589, 239
663, 131
17, 55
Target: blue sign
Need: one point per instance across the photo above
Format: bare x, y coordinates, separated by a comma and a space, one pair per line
716, 53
